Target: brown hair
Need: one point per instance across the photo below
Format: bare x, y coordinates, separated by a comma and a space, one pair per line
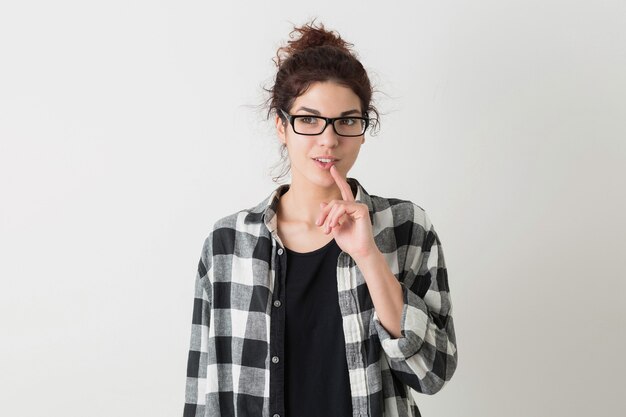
317, 55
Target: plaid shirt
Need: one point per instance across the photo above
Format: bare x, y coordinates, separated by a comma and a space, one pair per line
235, 365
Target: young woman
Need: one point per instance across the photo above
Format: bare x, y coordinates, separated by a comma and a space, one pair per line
321, 300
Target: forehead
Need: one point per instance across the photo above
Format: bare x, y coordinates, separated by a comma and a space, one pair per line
328, 97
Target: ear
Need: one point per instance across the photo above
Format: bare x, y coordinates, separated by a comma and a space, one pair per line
280, 129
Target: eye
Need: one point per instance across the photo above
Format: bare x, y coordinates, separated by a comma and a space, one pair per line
308, 120
348, 122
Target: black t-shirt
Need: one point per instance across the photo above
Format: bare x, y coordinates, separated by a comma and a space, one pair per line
316, 370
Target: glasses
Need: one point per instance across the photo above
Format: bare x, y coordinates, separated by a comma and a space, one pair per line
314, 125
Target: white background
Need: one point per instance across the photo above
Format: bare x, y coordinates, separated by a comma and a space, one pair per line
128, 127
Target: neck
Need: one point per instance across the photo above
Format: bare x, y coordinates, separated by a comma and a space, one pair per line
301, 203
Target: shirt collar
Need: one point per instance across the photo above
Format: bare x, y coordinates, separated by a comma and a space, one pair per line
265, 211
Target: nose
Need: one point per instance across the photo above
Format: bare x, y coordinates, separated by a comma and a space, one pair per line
328, 137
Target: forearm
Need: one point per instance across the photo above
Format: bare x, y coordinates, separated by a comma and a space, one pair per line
384, 289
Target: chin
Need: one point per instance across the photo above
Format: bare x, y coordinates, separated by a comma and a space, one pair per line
324, 179
319, 179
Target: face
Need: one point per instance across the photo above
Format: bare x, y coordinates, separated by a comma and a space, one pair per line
330, 100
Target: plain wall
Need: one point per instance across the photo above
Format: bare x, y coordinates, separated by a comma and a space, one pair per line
128, 127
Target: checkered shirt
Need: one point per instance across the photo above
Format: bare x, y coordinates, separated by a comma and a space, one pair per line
230, 371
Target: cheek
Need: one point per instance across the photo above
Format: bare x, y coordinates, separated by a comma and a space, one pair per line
355, 151
300, 150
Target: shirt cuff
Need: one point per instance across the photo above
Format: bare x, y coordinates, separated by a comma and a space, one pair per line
413, 325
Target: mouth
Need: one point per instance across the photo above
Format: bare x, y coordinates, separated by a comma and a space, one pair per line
325, 165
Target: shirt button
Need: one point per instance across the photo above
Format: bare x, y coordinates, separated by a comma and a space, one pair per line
275, 359
277, 303
280, 251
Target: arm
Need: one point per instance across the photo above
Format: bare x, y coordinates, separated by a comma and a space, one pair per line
424, 357
195, 389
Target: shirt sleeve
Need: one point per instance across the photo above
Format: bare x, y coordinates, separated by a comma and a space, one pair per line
424, 357
195, 391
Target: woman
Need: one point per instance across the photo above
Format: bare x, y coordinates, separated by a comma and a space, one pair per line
321, 300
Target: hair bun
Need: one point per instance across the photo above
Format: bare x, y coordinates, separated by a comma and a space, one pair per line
310, 36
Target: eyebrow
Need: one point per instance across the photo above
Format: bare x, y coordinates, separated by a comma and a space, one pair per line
345, 113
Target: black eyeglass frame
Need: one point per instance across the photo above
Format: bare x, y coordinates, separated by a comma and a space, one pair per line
329, 121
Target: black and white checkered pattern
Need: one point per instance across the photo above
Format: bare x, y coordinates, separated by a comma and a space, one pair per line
228, 370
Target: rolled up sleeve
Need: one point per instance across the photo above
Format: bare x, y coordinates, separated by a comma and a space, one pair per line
425, 356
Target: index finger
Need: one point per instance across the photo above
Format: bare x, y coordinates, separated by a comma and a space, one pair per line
344, 187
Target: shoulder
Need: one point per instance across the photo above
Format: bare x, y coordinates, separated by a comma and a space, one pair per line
394, 212
401, 223
243, 223
226, 224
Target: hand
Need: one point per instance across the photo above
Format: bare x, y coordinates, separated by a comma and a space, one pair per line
348, 221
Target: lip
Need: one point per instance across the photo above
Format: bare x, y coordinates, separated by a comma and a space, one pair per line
326, 165
326, 157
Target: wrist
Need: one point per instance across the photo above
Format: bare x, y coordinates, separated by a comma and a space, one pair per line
370, 257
